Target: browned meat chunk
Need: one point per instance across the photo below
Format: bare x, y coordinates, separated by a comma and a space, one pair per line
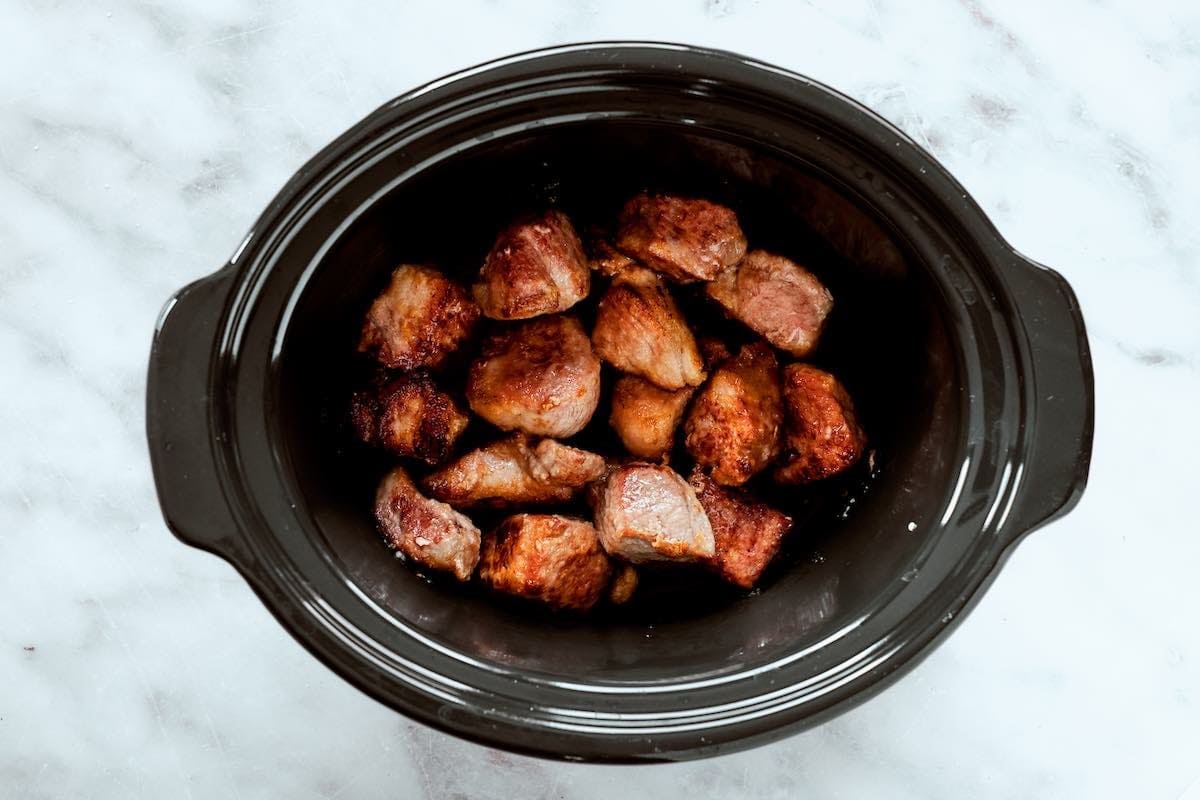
430, 533
646, 512
608, 260
777, 298
746, 533
513, 471
540, 377
409, 416
623, 585
536, 267
419, 319
686, 239
645, 416
640, 330
556, 560
734, 423
822, 434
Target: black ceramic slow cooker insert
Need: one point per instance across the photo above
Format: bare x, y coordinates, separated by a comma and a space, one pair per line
968, 362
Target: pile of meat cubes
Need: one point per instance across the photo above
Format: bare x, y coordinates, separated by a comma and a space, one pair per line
534, 377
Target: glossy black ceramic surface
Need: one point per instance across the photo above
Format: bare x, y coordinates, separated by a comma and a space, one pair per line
969, 364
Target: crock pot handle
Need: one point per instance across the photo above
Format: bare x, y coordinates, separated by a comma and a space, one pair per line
177, 416
1055, 467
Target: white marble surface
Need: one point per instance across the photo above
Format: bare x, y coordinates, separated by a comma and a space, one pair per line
138, 141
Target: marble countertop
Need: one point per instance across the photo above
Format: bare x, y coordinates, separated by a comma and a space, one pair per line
139, 140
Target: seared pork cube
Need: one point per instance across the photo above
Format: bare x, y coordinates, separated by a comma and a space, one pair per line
777, 299
734, 424
822, 436
430, 533
647, 513
746, 533
640, 330
540, 377
546, 557
686, 239
515, 470
420, 319
645, 417
623, 585
536, 267
409, 416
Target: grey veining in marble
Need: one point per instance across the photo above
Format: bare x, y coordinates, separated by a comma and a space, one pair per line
139, 140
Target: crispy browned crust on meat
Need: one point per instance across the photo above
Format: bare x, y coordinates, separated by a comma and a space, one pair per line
645, 417
515, 470
777, 299
540, 377
536, 266
418, 320
734, 423
686, 239
608, 260
822, 435
553, 559
409, 416
639, 329
747, 534
426, 531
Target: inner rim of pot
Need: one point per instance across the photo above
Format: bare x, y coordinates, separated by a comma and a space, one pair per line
601, 671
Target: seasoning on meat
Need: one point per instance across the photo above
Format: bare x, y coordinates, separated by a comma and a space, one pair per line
536, 267
645, 417
608, 260
540, 377
734, 424
554, 559
537, 373
746, 533
640, 330
515, 470
777, 299
419, 319
409, 416
822, 435
686, 239
426, 531
647, 513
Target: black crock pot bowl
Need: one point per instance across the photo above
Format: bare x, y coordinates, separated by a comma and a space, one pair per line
968, 361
